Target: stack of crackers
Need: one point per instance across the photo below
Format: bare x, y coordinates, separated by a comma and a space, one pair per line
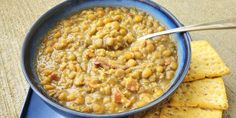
203, 94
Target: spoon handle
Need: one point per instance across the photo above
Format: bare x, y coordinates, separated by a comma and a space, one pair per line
217, 25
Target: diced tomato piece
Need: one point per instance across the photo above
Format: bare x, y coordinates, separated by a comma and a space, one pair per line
97, 64
54, 77
117, 98
130, 14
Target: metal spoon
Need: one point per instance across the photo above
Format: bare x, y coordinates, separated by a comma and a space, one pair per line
217, 25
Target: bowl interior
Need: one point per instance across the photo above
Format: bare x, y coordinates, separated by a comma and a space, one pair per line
48, 20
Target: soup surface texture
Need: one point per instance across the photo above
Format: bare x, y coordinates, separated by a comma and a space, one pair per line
91, 61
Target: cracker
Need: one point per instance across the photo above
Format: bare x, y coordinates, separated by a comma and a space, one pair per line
205, 62
206, 93
187, 112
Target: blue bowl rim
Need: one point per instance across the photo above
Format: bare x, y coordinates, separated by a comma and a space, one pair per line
168, 93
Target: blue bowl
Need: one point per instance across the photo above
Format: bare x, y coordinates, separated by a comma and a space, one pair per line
48, 20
